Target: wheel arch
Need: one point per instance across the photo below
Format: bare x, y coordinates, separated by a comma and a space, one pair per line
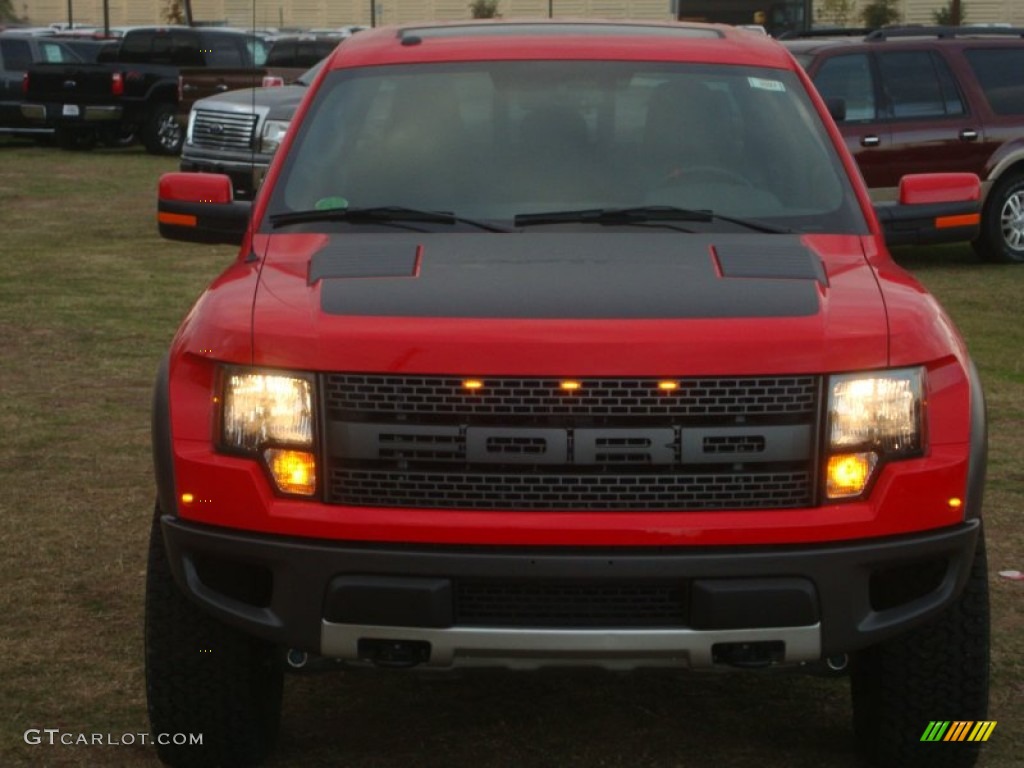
163, 455
1008, 161
978, 464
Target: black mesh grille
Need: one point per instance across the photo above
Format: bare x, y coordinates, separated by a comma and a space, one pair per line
570, 491
500, 604
436, 395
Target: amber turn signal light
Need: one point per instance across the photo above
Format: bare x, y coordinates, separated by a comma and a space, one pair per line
847, 474
293, 471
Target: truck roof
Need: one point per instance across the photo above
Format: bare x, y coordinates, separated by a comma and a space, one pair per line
524, 40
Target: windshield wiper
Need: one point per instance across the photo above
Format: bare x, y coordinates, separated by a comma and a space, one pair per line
639, 215
379, 214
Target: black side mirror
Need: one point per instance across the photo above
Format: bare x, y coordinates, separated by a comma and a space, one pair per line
200, 208
933, 208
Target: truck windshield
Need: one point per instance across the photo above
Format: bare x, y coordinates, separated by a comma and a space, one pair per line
497, 140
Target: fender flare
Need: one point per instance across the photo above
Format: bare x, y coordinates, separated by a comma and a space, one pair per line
163, 453
978, 461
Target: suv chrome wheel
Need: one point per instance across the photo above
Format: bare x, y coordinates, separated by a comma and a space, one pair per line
1012, 221
1002, 222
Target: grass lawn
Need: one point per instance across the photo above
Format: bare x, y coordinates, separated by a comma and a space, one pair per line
89, 299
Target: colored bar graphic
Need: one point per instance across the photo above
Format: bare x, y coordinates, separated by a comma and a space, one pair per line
982, 730
958, 730
935, 731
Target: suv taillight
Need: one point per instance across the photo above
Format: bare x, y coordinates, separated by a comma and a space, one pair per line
116, 84
24, 84
181, 88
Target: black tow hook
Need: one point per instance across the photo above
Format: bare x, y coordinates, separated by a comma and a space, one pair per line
394, 653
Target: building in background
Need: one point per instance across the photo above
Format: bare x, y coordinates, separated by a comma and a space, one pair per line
336, 13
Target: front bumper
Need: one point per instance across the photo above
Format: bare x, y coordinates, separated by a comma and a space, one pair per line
61, 113
246, 173
350, 601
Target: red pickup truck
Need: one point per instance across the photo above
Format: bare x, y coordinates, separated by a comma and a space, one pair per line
566, 344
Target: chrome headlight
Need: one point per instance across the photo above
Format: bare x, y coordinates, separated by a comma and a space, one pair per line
272, 135
270, 415
872, 417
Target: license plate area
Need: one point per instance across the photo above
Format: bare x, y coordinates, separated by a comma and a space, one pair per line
70, 110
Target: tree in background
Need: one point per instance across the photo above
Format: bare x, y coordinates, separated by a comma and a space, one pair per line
7, 11
484, 9
836, 12
951, 16
879, 13
174, 12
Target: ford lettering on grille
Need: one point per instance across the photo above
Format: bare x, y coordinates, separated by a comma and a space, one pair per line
523, 444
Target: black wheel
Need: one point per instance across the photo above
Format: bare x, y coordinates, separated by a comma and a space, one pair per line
1002, 223
204, 677
162, 133
937, 672
75, 139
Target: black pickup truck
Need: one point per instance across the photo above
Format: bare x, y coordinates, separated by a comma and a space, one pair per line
18, 52
136, 93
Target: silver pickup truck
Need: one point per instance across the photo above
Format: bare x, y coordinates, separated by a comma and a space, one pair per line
237, 132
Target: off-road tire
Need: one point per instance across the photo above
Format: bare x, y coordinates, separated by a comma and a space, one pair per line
1002, 222
936, 672
162, 134
204, 677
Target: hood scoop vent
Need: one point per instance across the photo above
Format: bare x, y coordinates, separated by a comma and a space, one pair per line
789, 261
363, 259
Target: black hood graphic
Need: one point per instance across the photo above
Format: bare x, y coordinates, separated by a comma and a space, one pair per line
568, 275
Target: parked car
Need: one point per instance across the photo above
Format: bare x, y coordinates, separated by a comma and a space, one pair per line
138, 91
92, 50
921, 99
300, 50
287, 59
18, 52
237, 133
566, 343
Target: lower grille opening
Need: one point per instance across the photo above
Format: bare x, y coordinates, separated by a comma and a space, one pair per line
245, 582
893, 587
571, 605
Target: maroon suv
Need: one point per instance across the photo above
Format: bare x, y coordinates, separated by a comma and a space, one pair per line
931, 99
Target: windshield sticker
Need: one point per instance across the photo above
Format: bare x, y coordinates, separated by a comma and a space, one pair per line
766, 85
331, 204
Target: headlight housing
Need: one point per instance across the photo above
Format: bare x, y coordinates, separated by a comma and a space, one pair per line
270, 415
272, 135
872, 418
